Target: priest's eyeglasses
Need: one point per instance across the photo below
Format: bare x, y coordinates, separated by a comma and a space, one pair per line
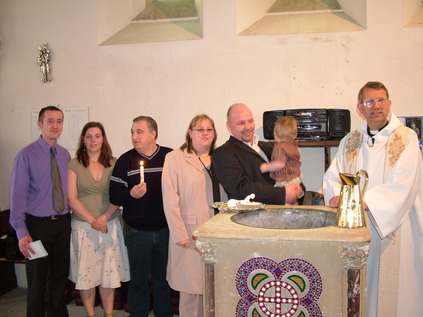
372, 102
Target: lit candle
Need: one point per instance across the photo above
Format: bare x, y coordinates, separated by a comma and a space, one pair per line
142, 171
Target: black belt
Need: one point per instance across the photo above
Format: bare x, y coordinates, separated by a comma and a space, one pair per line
51, 218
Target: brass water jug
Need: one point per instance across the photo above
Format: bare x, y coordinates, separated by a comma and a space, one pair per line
350, 209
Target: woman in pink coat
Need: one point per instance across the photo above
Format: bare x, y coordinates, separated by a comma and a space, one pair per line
187, 186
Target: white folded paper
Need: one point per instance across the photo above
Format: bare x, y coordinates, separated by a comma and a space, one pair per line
39, 249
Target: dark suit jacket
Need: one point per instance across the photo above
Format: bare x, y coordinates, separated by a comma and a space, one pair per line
237, 167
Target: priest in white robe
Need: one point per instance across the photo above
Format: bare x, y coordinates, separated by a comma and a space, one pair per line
390, 153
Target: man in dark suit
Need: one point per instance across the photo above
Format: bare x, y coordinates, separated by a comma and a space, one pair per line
237, 162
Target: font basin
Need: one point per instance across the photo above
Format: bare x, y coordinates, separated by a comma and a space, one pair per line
286, 218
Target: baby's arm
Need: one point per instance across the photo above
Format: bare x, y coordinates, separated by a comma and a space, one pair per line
273, 166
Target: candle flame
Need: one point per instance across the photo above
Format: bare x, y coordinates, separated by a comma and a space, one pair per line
141, 163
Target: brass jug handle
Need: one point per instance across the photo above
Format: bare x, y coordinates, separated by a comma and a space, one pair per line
363, 191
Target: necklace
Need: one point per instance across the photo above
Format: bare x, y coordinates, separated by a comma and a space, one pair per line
215, 183
207, 169
94, 162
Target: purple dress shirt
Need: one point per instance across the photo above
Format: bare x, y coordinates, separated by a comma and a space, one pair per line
30, 185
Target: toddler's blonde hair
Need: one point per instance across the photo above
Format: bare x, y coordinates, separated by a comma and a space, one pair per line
286, 127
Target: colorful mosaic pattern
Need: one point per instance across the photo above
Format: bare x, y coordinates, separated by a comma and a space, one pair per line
290, 288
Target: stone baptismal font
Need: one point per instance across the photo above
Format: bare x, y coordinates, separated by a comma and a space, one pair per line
283, 261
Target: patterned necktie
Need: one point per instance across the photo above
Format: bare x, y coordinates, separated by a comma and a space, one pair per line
58, 202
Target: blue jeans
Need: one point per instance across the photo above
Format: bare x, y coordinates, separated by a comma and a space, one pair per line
147, 253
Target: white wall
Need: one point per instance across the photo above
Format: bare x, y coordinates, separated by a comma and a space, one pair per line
174, 81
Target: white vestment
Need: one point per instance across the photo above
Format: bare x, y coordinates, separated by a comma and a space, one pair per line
395, 203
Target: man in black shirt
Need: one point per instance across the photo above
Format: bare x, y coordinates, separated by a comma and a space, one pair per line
146, 231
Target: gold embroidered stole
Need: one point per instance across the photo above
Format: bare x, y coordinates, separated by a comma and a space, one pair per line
397, 142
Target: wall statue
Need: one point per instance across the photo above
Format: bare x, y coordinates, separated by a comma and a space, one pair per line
43, 61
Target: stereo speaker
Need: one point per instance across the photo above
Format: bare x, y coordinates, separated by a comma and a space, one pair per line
339, 123
269, 120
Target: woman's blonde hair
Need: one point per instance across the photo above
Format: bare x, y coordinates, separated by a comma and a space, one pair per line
188, 142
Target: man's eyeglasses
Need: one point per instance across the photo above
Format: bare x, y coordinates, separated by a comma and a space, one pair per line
371, 102
203, 130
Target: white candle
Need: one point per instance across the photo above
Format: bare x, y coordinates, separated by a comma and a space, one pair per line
142, 171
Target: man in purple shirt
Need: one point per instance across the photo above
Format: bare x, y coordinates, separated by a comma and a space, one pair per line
34, 217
